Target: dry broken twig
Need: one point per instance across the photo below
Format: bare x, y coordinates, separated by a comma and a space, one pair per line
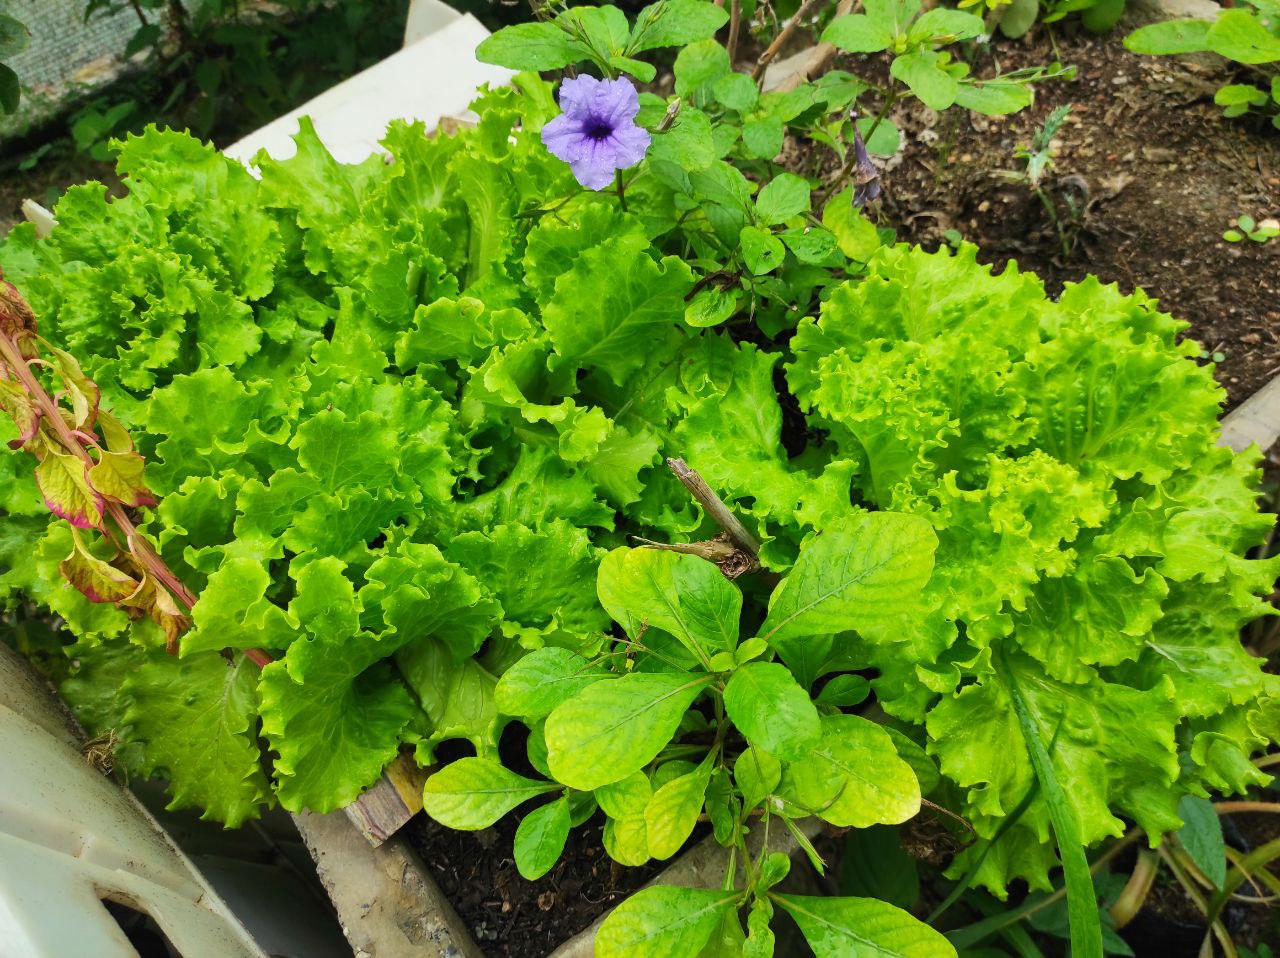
735, 550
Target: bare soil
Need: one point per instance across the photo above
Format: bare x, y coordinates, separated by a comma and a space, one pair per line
1160, 175
508, 916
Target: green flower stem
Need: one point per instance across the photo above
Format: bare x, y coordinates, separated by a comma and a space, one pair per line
622, 190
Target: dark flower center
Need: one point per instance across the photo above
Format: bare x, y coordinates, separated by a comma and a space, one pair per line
597, 129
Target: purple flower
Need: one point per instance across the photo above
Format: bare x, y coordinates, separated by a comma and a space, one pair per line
597, 133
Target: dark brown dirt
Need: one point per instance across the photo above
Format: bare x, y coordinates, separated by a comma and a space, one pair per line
509, 916
1160, 172
46, 182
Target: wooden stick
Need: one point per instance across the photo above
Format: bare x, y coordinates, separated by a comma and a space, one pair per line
735, 23
821, 55
784, 34
716, 550
715, 507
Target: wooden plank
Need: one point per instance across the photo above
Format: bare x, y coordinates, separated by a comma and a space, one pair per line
1256, 420
396, 797
386, 902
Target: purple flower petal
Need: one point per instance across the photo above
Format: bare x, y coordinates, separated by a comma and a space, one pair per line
596, 134
630, 145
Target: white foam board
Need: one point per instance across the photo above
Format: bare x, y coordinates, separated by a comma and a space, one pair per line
435, 77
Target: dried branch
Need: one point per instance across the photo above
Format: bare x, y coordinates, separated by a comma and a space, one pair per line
780, 40
714, 506
820, 56
735, 24
89, 473
735, 550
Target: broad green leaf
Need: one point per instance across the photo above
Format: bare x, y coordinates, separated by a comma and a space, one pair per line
473, 793
761, 250
626, 840
856, 235
783, 197
736, 91
700, 63
919, 70
857, 33
663, 920
944, 25
540, 839
560, 601
925, 769
1019, 17
197, 720
673, 812
608, 310
771, 710
862, 928
10, 89
811, 245
1113, 750
762, 137
1100, 17
1239, 35
417, 593
606, 28
757, 774
688, 143
726, 940
853, 777
711, 306
642, 71
457, 697
1201, 836
326, 603
864, 573
676, 23
226, 616
882, 135
1171, 36
994, 97
543, 679
14, 37
334, 713
625, 798
683, 595
531, 46
892, 16
611, 729
844, 690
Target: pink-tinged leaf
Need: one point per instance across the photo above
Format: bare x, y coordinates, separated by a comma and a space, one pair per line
155, 601
17, 321
114, 433
119, 476
25, 414
80, 389
97, 579
64, 483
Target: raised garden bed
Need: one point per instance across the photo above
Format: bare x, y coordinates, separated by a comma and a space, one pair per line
511, 358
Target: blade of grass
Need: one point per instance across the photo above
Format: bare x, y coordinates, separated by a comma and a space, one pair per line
971, 935
972, 873
1082, 903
